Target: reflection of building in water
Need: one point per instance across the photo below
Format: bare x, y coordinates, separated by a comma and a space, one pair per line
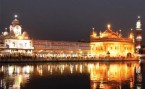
111, 43
111, 75
14, 76
101, 74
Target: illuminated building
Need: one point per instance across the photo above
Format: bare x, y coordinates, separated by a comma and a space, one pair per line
104, 44
61, 48
138, 35
15, 41
109, 43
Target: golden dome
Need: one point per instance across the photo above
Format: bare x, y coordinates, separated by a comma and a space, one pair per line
25, 35
108, 33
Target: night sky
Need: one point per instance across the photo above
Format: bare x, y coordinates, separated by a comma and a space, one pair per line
71, 20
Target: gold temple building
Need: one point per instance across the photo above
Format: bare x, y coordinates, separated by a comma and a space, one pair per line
109, 43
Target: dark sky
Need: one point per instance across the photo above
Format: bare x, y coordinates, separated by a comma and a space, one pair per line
71, 19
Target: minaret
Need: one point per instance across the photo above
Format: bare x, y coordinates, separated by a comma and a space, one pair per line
120, 34
93, 34
138, 35
131, 35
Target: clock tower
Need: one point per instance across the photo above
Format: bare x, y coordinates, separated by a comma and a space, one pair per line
15, 26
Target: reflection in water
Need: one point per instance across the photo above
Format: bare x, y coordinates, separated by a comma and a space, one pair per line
112, 75
13, 75
107, 75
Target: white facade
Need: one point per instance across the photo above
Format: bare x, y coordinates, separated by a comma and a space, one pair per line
19, 44
16, 29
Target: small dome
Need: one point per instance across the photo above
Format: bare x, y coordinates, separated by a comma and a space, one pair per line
25, 35
5, 33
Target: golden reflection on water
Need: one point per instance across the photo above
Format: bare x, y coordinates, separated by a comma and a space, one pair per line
106, 75
103, 75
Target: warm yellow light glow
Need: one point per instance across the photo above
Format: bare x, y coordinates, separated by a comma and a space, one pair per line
17, 82
20, 37
39, 69
109, 26
26, 69
81, 68
116, 72
71, 69
131, 36
113, 53
10, 70
116, 49
18, 70
94, 34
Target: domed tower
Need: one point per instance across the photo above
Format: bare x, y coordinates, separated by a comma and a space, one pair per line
138, 35
15, 26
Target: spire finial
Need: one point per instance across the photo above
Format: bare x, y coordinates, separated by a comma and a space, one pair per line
16, 16
138, 17
109, 26
120, 31
93, 29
